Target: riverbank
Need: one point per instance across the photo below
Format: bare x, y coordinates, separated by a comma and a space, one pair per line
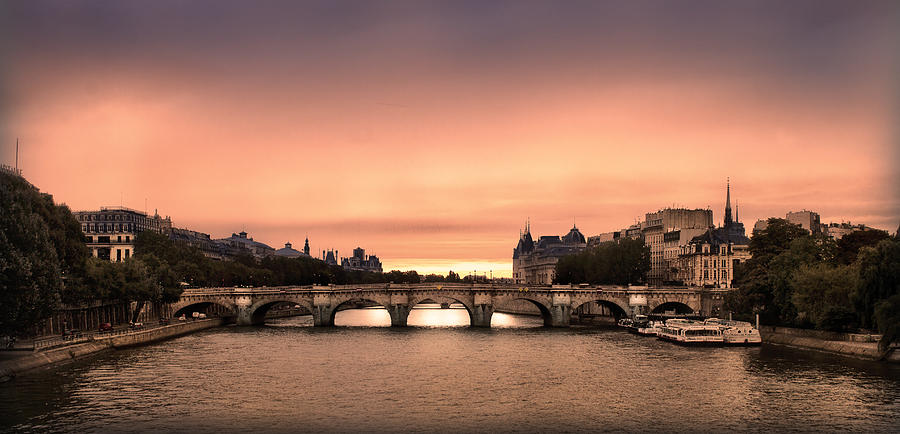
845, 344
18, 364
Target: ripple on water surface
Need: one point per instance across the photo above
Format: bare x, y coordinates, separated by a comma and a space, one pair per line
288, 376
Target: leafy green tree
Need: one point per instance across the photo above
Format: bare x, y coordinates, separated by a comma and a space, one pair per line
30, 269
887, 316
823, 294
879, 279
429, 278
763, 281
849, 245
620, 262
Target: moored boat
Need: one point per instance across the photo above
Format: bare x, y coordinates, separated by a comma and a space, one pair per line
686, 332
736, 332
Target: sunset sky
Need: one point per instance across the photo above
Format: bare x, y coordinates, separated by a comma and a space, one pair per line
427, 132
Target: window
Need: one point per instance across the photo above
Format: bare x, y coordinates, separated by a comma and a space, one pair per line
126, 253
119, 239
127, 240
724, 263
118, 255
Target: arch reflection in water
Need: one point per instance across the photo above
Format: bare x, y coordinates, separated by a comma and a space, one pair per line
363, 317
423, 315
509, 320
433, 315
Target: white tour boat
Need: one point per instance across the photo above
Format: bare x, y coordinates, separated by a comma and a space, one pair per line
736, 332
686, 332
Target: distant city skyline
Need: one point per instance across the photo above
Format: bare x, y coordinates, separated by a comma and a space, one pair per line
428, 132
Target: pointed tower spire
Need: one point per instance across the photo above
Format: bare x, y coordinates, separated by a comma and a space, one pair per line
728, 202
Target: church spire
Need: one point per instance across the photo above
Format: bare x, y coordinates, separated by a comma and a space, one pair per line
728, 202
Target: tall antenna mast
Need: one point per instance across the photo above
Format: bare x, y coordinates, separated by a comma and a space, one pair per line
17, 155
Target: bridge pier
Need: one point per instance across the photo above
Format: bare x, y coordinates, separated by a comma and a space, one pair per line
560, 315
481, 315
322, 316
399, 314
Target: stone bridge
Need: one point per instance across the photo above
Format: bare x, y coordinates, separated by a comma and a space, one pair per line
556, 303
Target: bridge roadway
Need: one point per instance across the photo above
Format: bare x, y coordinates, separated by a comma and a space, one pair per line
248, 306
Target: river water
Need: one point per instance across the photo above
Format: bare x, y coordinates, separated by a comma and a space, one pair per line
287, 376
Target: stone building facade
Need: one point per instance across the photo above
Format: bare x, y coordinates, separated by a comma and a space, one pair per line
655, 227
535, 262
109, 232
709, 259
361, 262
242, 241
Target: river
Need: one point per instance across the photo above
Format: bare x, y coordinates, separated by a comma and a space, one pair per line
287, 376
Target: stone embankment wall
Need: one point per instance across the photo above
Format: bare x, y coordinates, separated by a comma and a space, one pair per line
65, 354
847, 344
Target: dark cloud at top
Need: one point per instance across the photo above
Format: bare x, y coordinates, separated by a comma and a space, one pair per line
801, 40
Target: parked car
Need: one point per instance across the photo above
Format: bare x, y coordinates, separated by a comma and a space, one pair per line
163, 321
136, 325
105, 327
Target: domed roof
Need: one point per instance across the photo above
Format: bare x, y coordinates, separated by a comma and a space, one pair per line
574, 237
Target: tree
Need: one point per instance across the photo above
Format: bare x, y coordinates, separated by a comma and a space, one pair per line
879, 279
30, 270
887, 316
763, 281
849, 245
823, 294
620, 262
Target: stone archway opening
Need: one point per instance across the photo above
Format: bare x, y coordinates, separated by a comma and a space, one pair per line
598, 312
439, 312
521, 313
209, 309
275, 311
672, 308
360, 312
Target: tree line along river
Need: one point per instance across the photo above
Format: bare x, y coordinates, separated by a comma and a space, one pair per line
288, 376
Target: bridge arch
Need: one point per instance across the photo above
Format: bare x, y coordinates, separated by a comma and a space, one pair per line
542, 305
203, 306
677, 306
258, 310
441, 299
360, 299
616, 307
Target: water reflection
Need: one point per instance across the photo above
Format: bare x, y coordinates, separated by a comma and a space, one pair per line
291, 377
367, 317
432, 315
424, 315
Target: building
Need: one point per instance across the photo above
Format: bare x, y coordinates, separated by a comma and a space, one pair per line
109, 233
241, 241
288, 251
213, 249
708, 260
633, 232
535, 262
361, 262
837, 230
806, 219
330, 258
760, 226
655, 227
673, 242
